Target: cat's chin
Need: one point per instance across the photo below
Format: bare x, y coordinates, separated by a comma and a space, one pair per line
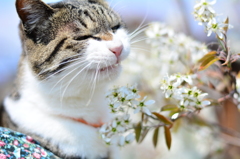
108, 73
107, 69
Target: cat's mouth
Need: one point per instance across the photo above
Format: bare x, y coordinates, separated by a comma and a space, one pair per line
108, 68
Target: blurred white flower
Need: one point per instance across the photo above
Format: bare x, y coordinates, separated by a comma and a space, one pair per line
214, 26
170, 49
200, 18
186, 95
114, 105
129, 138
168, 86
204, 6
201, 104
205, 14
158, 30
142, 106
107, 140
123, 140
203, 11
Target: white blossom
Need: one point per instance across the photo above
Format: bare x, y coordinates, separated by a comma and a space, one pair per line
205, 14
203, 11
205, 6
201, 104
129, 138
214, 26
123, 101
170, 49
142, 106
124, 140
186, 95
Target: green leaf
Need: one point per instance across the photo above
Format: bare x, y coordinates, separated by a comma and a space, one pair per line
144, 134
177, 125
169, 107
163, 118
208, 60
138, 130
155, 137
211, 53
205, 66
168, 137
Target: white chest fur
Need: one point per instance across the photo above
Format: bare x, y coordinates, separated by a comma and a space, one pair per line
38, 111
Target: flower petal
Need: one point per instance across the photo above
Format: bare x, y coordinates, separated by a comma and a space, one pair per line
121, 141
149, 102
201, 96
211, 9
201, 10
146, 110
137, 110
209, 32
129, 138
206, 102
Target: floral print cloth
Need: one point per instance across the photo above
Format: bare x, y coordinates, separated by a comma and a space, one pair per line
15, 145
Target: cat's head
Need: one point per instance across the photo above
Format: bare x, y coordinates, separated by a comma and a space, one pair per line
72, 40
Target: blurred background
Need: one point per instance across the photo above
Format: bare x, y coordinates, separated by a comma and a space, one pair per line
175, 13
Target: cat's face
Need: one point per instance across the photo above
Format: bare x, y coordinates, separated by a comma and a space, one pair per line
73, 40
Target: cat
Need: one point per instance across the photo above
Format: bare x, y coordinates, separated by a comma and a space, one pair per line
71, 51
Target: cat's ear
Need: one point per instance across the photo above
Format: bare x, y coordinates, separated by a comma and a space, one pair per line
33, 12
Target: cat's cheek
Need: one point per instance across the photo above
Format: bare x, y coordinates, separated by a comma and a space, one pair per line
125, 52
126, 46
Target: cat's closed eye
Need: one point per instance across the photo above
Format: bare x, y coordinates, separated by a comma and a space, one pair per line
115, 28
81, 38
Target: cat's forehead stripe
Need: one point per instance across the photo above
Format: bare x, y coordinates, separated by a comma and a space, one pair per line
86, 13
54, 52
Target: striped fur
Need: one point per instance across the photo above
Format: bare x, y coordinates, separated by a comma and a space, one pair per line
66, 65
68, 21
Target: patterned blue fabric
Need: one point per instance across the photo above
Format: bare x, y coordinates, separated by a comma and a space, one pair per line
15, 145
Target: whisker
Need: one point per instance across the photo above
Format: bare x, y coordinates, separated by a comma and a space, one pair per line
107, 70
91, 81
113, 7
72, 80
92, 89
86, 72
63, 69
136, 41
43, 71
141, 27
94, 80
67, 75
142, 49
138, 29
108, 75
110, 3
132, 36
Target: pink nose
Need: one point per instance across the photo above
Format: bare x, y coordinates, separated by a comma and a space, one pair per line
117, 50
